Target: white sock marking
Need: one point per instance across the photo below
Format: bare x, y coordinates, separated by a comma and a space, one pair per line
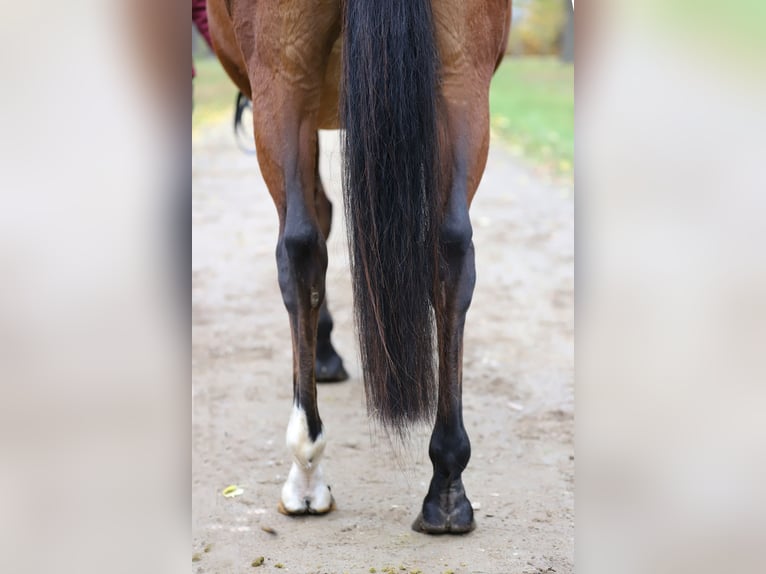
305, 484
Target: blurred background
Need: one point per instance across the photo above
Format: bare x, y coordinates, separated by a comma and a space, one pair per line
671, 317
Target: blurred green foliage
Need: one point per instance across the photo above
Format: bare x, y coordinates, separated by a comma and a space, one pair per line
532, 108
536, 27
214, 94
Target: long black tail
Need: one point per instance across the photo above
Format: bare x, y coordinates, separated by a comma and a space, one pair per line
391, 193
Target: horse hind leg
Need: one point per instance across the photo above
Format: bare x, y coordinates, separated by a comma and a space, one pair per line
302, 248
286, 46
286, 156
446, 508
302, 262
329, 365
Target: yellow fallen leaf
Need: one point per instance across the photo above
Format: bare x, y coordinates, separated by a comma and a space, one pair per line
232, 490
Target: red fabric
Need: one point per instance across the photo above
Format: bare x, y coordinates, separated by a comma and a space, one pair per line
199, 18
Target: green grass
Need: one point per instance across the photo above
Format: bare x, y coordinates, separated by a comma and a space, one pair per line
214, 94
531, 103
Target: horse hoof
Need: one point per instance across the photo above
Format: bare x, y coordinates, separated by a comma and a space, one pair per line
306, 510
449, 513
329, 369
446, 526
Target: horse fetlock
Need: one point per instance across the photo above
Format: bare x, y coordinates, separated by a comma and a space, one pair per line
305, 490
449, 450
306, 450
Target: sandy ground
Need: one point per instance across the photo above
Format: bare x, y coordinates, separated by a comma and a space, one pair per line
518, 390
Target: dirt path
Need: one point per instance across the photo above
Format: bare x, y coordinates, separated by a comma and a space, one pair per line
518, 390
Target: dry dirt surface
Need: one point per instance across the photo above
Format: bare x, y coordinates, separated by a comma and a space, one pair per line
518, 390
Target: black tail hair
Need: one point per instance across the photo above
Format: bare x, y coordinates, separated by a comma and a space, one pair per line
391, 193
242, 104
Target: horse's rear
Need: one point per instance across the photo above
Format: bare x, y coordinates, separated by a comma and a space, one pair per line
409, 82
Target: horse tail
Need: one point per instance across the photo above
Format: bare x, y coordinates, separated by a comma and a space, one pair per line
241, 104
390, 157
241, 136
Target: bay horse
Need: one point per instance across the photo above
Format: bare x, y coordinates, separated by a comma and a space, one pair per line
407, 81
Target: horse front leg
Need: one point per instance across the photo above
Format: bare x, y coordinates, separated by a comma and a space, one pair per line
329, 365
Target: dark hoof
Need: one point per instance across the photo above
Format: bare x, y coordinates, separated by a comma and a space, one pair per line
446, 526
329, 368
450, 514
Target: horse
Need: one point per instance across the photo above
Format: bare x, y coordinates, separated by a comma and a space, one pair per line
407, 83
